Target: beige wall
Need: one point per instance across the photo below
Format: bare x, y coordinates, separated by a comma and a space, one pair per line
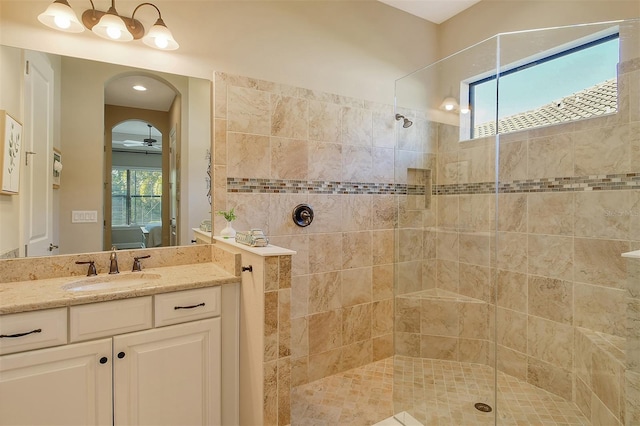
10, 101
355, 48
490, 17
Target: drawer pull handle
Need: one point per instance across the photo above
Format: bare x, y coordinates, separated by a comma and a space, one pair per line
37, 330
188, 307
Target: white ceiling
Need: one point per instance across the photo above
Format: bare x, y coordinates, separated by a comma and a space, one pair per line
130, 135
157, 97
436, 11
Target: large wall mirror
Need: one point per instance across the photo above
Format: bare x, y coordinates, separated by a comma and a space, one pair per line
133, 162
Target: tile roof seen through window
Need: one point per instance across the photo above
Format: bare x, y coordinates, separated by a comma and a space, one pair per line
593, 101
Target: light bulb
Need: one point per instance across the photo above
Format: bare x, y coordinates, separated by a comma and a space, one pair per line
114, 33
62, 22
161, 42
448, 107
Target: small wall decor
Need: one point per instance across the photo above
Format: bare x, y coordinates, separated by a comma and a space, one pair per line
57, 168
10, 155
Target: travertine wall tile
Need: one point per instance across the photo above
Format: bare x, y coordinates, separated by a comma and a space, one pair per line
356, 249
551, 342
550, 213
289, 159
357, 163
357, 124
248, 155
599, 262
607, 375
512, 290
289, 117
325, 253
602, 151
513, 160
382, 247
439, 347
325, 292
356, 323
248, 111
512, 362
510, 326
325, 331
476, 282
551, 299
512, 212
382, 282
439, 318
325, 364
554, 379
356, 286
604, 214
325, 161
550, 256
407, 344
270, 407
512, 251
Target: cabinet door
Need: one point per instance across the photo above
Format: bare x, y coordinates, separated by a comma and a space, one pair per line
168, 376
67, 385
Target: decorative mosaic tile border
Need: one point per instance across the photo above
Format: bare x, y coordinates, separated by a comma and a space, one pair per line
623, 181
284, 186
615, 182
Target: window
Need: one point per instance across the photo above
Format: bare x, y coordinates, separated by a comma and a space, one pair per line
136, 196
575, 83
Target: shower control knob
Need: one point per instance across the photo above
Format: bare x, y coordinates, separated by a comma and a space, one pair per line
302, 215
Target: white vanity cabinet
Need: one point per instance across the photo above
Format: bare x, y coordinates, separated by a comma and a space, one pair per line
168, 376
66, 385
153, 360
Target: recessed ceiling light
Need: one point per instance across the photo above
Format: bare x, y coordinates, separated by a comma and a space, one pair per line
139, 88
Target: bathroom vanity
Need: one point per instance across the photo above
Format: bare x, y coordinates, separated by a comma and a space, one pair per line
154, 347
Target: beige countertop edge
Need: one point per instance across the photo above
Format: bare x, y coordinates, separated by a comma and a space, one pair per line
25, 296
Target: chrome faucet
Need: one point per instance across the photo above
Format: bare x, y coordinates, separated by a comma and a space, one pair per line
113, 267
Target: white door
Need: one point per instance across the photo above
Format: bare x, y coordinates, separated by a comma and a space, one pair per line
168, 376
36, 185
67, 385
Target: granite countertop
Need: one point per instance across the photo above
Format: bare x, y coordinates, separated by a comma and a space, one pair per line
23, 296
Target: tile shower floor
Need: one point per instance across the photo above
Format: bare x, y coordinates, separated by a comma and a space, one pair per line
432, 391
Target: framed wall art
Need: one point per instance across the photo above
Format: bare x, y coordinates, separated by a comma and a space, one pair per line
10, 154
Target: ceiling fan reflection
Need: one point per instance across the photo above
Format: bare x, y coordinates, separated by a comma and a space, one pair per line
147, 142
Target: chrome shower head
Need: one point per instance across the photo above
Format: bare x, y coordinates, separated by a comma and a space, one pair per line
407, 123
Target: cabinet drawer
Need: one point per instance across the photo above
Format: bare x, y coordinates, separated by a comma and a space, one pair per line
188, 305
20, 331
109, 318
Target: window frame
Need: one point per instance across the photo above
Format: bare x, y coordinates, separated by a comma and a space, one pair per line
467, 87
128, 195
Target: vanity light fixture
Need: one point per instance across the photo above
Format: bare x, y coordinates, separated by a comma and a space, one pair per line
109, 25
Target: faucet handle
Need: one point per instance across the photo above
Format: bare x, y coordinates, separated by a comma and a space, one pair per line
137, 267
92, 267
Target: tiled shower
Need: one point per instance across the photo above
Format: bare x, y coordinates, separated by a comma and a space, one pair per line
417, 260
515, 260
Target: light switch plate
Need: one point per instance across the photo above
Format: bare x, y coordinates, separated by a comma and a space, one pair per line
84, 216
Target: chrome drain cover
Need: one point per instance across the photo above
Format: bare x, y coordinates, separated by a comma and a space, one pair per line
481, 406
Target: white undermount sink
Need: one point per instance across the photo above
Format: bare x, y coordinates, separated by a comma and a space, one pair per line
106, 282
